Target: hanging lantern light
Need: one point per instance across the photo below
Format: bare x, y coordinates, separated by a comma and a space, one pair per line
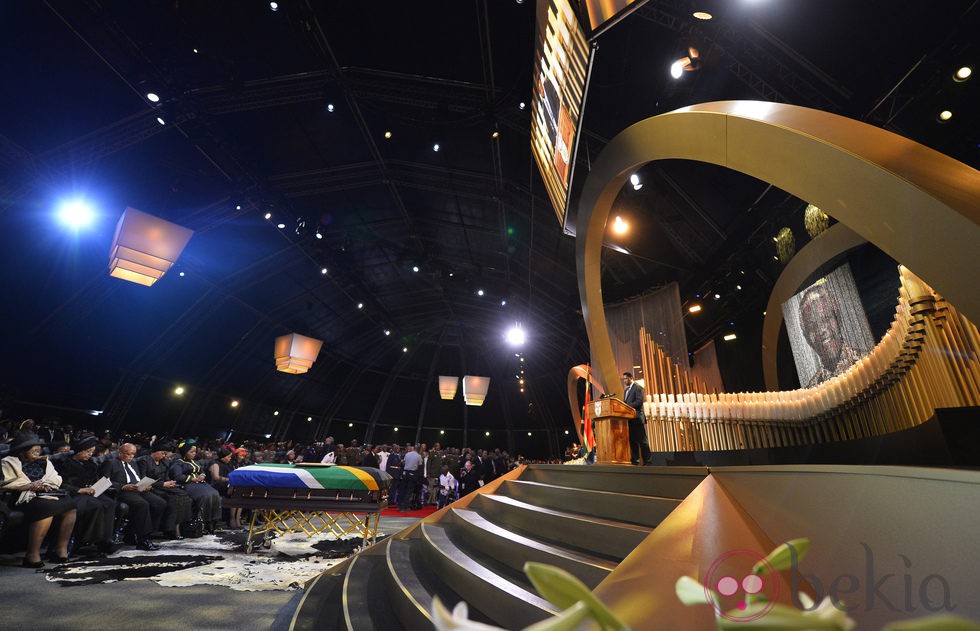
447, 387
475, 389
815, 220
145, 247
295, 353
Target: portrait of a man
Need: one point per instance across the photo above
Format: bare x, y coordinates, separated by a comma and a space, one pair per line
827, 327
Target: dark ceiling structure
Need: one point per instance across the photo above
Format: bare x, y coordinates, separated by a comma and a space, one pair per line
387, 138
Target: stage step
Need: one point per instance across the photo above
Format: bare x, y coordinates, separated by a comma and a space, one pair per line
605, 538
500, 598
584, 520
669, 482
643, 510
514, 550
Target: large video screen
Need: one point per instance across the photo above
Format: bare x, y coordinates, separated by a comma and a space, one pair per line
561, 65
827, 326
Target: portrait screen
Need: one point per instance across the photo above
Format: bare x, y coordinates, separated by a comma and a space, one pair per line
827, 326
561, 65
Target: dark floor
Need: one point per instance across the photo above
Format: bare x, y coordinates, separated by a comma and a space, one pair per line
32, 602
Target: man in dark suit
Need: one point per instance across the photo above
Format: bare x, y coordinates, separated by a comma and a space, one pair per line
633, 397
145, 508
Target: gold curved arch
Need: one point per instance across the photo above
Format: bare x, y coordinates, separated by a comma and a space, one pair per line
919, 206
825, 247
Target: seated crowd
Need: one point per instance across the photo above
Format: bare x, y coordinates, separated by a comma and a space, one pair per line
51, 476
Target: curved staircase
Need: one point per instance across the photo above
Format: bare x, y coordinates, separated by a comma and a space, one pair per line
582, 519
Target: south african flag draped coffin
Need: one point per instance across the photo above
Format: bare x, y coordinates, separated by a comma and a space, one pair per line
319, 486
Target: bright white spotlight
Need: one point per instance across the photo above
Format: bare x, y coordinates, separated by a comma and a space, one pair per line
152, 97
435, 147
479, 292
677, 68
75, 213
319, 235
274, 6
161, 121
516, 336
635, 181
281, 226
329, 107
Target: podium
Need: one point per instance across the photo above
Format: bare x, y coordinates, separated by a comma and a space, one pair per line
612, 433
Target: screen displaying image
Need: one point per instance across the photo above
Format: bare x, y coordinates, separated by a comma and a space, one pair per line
827, 326
561, 61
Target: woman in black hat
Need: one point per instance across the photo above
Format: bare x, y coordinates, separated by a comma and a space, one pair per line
31, 474
96, 518
206, 500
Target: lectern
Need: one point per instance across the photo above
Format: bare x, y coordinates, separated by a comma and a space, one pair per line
612, 434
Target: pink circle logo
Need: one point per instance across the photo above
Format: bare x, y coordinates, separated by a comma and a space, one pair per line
732, 581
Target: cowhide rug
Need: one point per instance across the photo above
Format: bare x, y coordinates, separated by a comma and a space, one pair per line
219, 559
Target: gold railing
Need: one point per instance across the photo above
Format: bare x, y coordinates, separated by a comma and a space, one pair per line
928, 359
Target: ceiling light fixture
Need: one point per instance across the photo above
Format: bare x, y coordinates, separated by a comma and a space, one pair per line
503, 303
702, 15
274, 6
404, 349
635, 181
522, 105
323, 271
268, 215
195, 51
686, 64
181, 274
309, 418
694, 309
620, 226
330, 107
276, 413
179, 390
729, 337
152, 97
479, 292
234, 403
360, 305
239, 207
944, 116
495, 134
281, 226
962, 74
388, 134
415, 268
161, 121
435, 147
717, 296
319, 235
387, 332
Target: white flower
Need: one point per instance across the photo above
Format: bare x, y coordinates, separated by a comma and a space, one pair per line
445, 621
828, 611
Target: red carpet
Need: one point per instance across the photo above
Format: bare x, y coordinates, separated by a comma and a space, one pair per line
418, 514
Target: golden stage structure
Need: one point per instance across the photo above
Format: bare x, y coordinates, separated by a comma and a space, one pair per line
927, 360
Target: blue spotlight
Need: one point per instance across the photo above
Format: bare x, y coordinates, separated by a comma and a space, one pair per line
75, 213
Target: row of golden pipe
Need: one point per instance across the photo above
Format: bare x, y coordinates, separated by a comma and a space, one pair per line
928, 359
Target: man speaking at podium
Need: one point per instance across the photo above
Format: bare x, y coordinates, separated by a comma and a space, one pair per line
633, 397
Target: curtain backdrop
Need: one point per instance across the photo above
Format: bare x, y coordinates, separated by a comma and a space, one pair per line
706, 367
660, 314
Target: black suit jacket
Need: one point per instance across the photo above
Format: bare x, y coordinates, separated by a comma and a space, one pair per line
112, 468
633, 397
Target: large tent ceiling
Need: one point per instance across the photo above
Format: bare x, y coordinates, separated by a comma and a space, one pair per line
285, 112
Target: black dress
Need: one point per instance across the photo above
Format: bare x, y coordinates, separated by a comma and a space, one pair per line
96, 515
207, 502
40, 508
224, 468
179, 508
